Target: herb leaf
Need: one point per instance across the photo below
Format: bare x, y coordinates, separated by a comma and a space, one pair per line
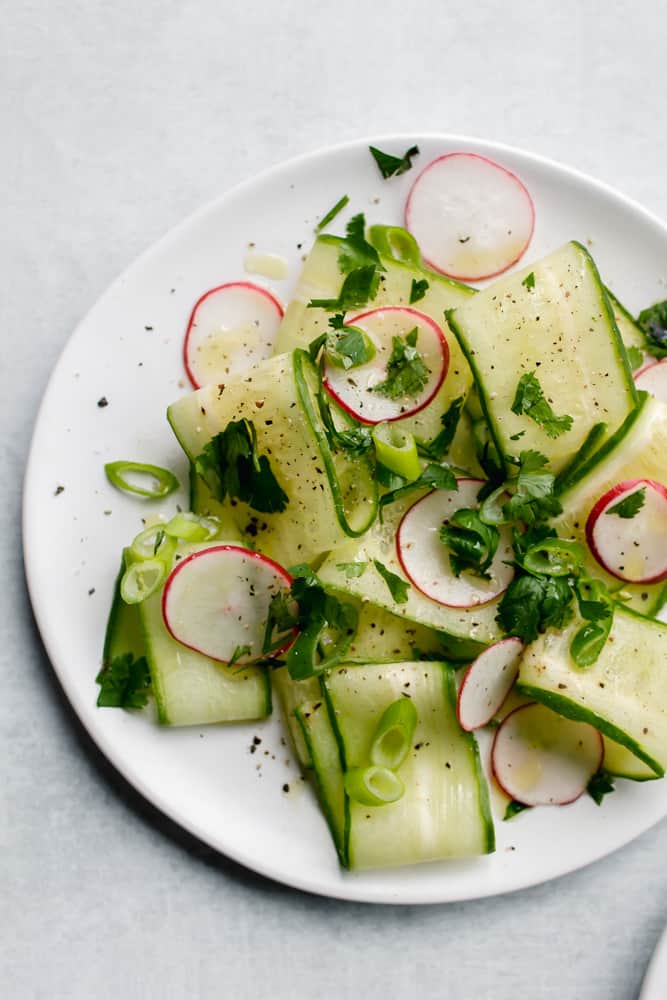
597, 609
238, 653
355, 250
514, 808
630, 506
124, 683
471, 543
391, 166
418, 289
398, 588
530, 400
434, 477
349, 346
653, 322
438, 447
356, 439
532, 604
635, 357
601, 784
231, 466
533, 497
359, 287
529, 281
352, 569
406, 372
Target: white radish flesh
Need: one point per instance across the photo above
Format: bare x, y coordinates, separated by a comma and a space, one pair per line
487, 682
471, 217
216, 601
425, 560
541, 758
633, 549
231, 328
355, 389
653, 378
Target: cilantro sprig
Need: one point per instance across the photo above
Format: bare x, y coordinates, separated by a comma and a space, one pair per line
398, 588
231, 466
125, 682
653, 321
418, 289
392, 166
406, 372
630, 506
360, 262
433, 477
471, 543
531, 401
437, 448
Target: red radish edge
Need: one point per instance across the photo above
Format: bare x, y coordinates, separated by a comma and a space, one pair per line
212, 291
422, 317
649, 366
596, 512
505, 694
462, 607
279, 570
517, 180
511, 794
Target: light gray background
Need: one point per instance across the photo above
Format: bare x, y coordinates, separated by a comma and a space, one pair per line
117, 120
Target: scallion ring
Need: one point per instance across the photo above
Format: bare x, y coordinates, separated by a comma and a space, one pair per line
373, 786
153, 543
157, 482
393, 736
395, 242
192, 528
141, 579
491, 508
553, 557
396, 450
589, 642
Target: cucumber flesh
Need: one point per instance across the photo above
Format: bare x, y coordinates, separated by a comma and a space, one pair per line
324, 752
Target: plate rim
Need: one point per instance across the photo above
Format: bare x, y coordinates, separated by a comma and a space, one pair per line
345, 890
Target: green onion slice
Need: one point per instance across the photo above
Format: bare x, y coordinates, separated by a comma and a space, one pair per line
589, 642
396, 450
554, 557
393, 736
491, 509
153, 543
141, 479
393, 241
192, 528
141, 579
373, 786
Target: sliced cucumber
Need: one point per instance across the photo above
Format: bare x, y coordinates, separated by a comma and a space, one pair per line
291, 695
622, 763
329, 495
637, 453
631, 333
444, 811
623, 694
324, 752
322, 278
475, 627
558, 325
123, 633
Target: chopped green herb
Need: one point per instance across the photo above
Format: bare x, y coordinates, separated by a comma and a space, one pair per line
418, 289
530, 400
392, 166
532, 490
596, 607
441, 443
356, 439
601, 784
332, 213
517, 437
159, 538
529, 281
231, 466
653, 322
433, 477
359, 287
349, 346
471, 543
635, 357
124, 683
514, 808
398, 588
532, 604
352, 569
355, 250
238, 653
406, 372
630, 506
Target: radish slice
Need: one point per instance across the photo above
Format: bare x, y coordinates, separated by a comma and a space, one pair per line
471, 217
231, 328
634, 548
354, 388
216, 601
425, 560
653, 378
540, 758
487, 682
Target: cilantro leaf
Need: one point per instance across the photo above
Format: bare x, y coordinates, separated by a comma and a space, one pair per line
434, 477
653, 322
533, 490
356, 440
630, 506
238, 653
530, 400
398, 588
529, 281
406, 372
471, 543
418, 289
597, 609
332, 213
438, 447
392, 166
635, 357
514, 808
532, 604
349, 346
601, 784
231, 466
125, 682
359, 287
352, 569
355, 250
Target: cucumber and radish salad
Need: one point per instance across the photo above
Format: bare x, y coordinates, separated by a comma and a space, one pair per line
427, 524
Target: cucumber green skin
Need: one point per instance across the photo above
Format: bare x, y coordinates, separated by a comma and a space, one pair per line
324, 752
621, 763
603, 718
631, 333
355, 815
489, 406
292, 695
123, 632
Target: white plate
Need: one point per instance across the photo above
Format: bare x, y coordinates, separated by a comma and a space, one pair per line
654, 986
128, 350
